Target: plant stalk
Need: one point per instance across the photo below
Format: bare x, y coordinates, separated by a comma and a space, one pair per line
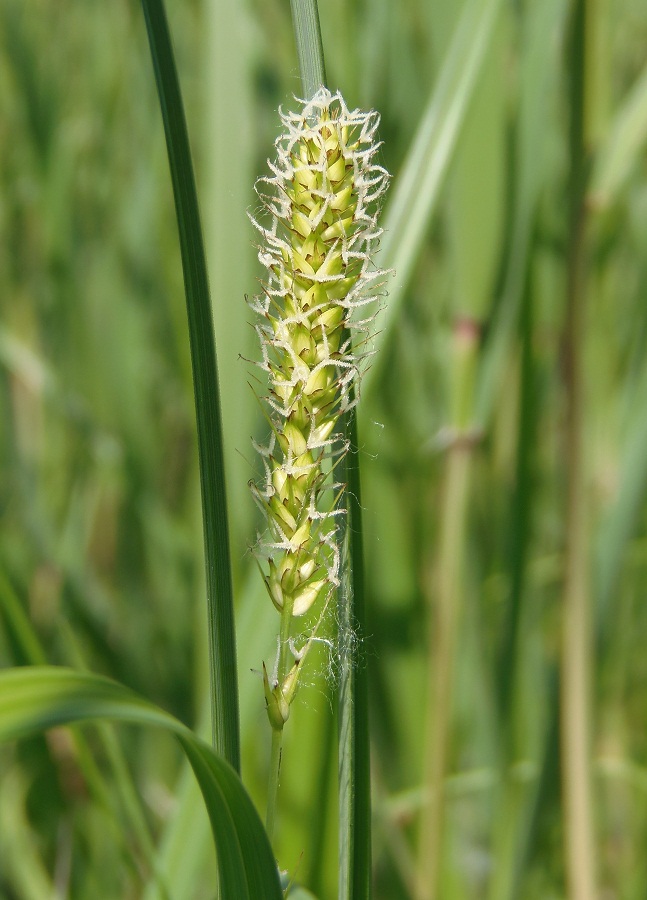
444, 614
273, 783
512, 800
354, 736
576, 629
282, 670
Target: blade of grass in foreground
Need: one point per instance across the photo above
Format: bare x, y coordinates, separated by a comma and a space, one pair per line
184, 844
29, 651
354, 758
33, 699
222, 642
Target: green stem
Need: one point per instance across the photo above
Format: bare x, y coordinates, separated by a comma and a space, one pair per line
444, 613
576, 633
354, 735
307, 33
513, 798
444, 627
282, 670
284, 665
273, 784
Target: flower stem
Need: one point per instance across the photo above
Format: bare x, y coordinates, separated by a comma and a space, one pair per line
283, 666
273, 783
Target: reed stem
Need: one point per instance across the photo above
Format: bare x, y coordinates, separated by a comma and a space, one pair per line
576, 630
445, 597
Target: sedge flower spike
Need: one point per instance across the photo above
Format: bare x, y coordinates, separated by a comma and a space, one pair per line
314, 315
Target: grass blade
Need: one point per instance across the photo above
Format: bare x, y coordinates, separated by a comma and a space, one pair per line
619, 523
307, 33
544, 21
35, 698
417, 187
512, 827
623, 146
354, 742
222, 642
29, 651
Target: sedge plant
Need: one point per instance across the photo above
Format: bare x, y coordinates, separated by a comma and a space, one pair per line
318, 228
98, 503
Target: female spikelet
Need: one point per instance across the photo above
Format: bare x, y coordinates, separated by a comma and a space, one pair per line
322, 198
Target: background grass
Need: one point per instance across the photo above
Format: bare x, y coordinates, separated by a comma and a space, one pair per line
100, 530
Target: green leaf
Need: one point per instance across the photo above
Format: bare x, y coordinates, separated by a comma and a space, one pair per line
415, 191
619, 521
33, 699
183, 845
543, 21
307, 33
623, 146
222, 642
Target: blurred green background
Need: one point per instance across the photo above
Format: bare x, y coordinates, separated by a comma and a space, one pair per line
101, 560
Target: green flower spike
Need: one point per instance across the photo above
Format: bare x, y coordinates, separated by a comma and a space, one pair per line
322, 199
